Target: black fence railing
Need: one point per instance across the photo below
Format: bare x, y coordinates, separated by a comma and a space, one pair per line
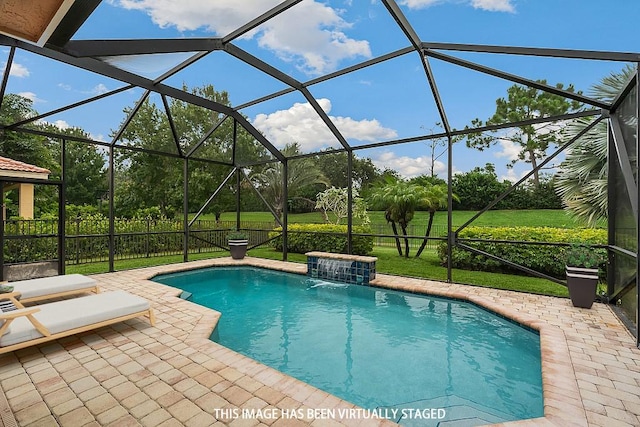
87, 240
412, 230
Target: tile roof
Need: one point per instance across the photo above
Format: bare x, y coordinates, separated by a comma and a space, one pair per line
14, 165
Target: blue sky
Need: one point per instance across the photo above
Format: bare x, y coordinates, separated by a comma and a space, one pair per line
387, 101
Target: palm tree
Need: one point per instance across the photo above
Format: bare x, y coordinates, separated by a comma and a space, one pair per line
400, 199
300, 173
432, 198
582, 180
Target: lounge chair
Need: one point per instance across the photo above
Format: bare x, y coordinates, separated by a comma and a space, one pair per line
52, 287
23, 327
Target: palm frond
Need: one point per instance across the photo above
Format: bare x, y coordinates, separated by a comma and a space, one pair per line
582, 179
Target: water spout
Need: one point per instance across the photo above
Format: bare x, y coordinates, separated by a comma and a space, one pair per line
352, 269
335, 269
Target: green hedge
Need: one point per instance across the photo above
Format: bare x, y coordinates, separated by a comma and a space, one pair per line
305, 238
542, 258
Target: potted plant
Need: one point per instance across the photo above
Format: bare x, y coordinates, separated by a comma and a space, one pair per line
582, 264
238, 243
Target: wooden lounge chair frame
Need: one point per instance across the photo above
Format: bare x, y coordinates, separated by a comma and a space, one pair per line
91, 288
29, 311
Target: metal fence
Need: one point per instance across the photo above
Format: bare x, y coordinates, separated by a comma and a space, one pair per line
87, 240
416, 231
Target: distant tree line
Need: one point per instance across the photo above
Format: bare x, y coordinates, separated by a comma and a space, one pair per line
479, 187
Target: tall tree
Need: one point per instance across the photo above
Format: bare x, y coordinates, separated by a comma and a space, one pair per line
437, 147
24, 147
301, 173
148, 180
334, 166
526, 103
582, 179
85, 169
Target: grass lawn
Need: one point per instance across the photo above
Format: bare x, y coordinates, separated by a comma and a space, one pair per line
427, 266
499, 218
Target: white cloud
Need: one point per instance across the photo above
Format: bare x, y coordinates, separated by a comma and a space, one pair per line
545, 128
61, 124
419, 4
494, 5
17, 70
408, 167
513, 176
301, 124
189, 15
99, 89
98, 137
30, 95
510, 149
488, 5
310, 35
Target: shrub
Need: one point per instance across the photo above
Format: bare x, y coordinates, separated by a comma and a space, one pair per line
543, 258
480, 186
237, 235
582, 256
477, 188
311, 237
78, 211
153, 212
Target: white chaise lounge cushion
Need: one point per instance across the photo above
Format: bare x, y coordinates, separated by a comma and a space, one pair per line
74, 313
50, 285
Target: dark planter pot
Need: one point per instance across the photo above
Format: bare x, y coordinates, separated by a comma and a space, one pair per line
582, 284
238, 248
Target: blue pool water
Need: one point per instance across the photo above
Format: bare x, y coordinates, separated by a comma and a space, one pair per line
375, 348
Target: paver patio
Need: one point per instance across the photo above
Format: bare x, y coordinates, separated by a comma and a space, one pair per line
133, 374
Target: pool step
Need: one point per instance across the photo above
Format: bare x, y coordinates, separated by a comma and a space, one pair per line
460, 412
186, 295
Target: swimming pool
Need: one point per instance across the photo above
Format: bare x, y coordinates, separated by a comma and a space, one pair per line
374, 347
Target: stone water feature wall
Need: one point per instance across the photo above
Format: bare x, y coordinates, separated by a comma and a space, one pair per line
354, 269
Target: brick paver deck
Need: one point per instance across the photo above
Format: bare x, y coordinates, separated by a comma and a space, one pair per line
133, 374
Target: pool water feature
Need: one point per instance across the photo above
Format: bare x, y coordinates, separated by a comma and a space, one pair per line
334, 269
341, 267
376, 348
